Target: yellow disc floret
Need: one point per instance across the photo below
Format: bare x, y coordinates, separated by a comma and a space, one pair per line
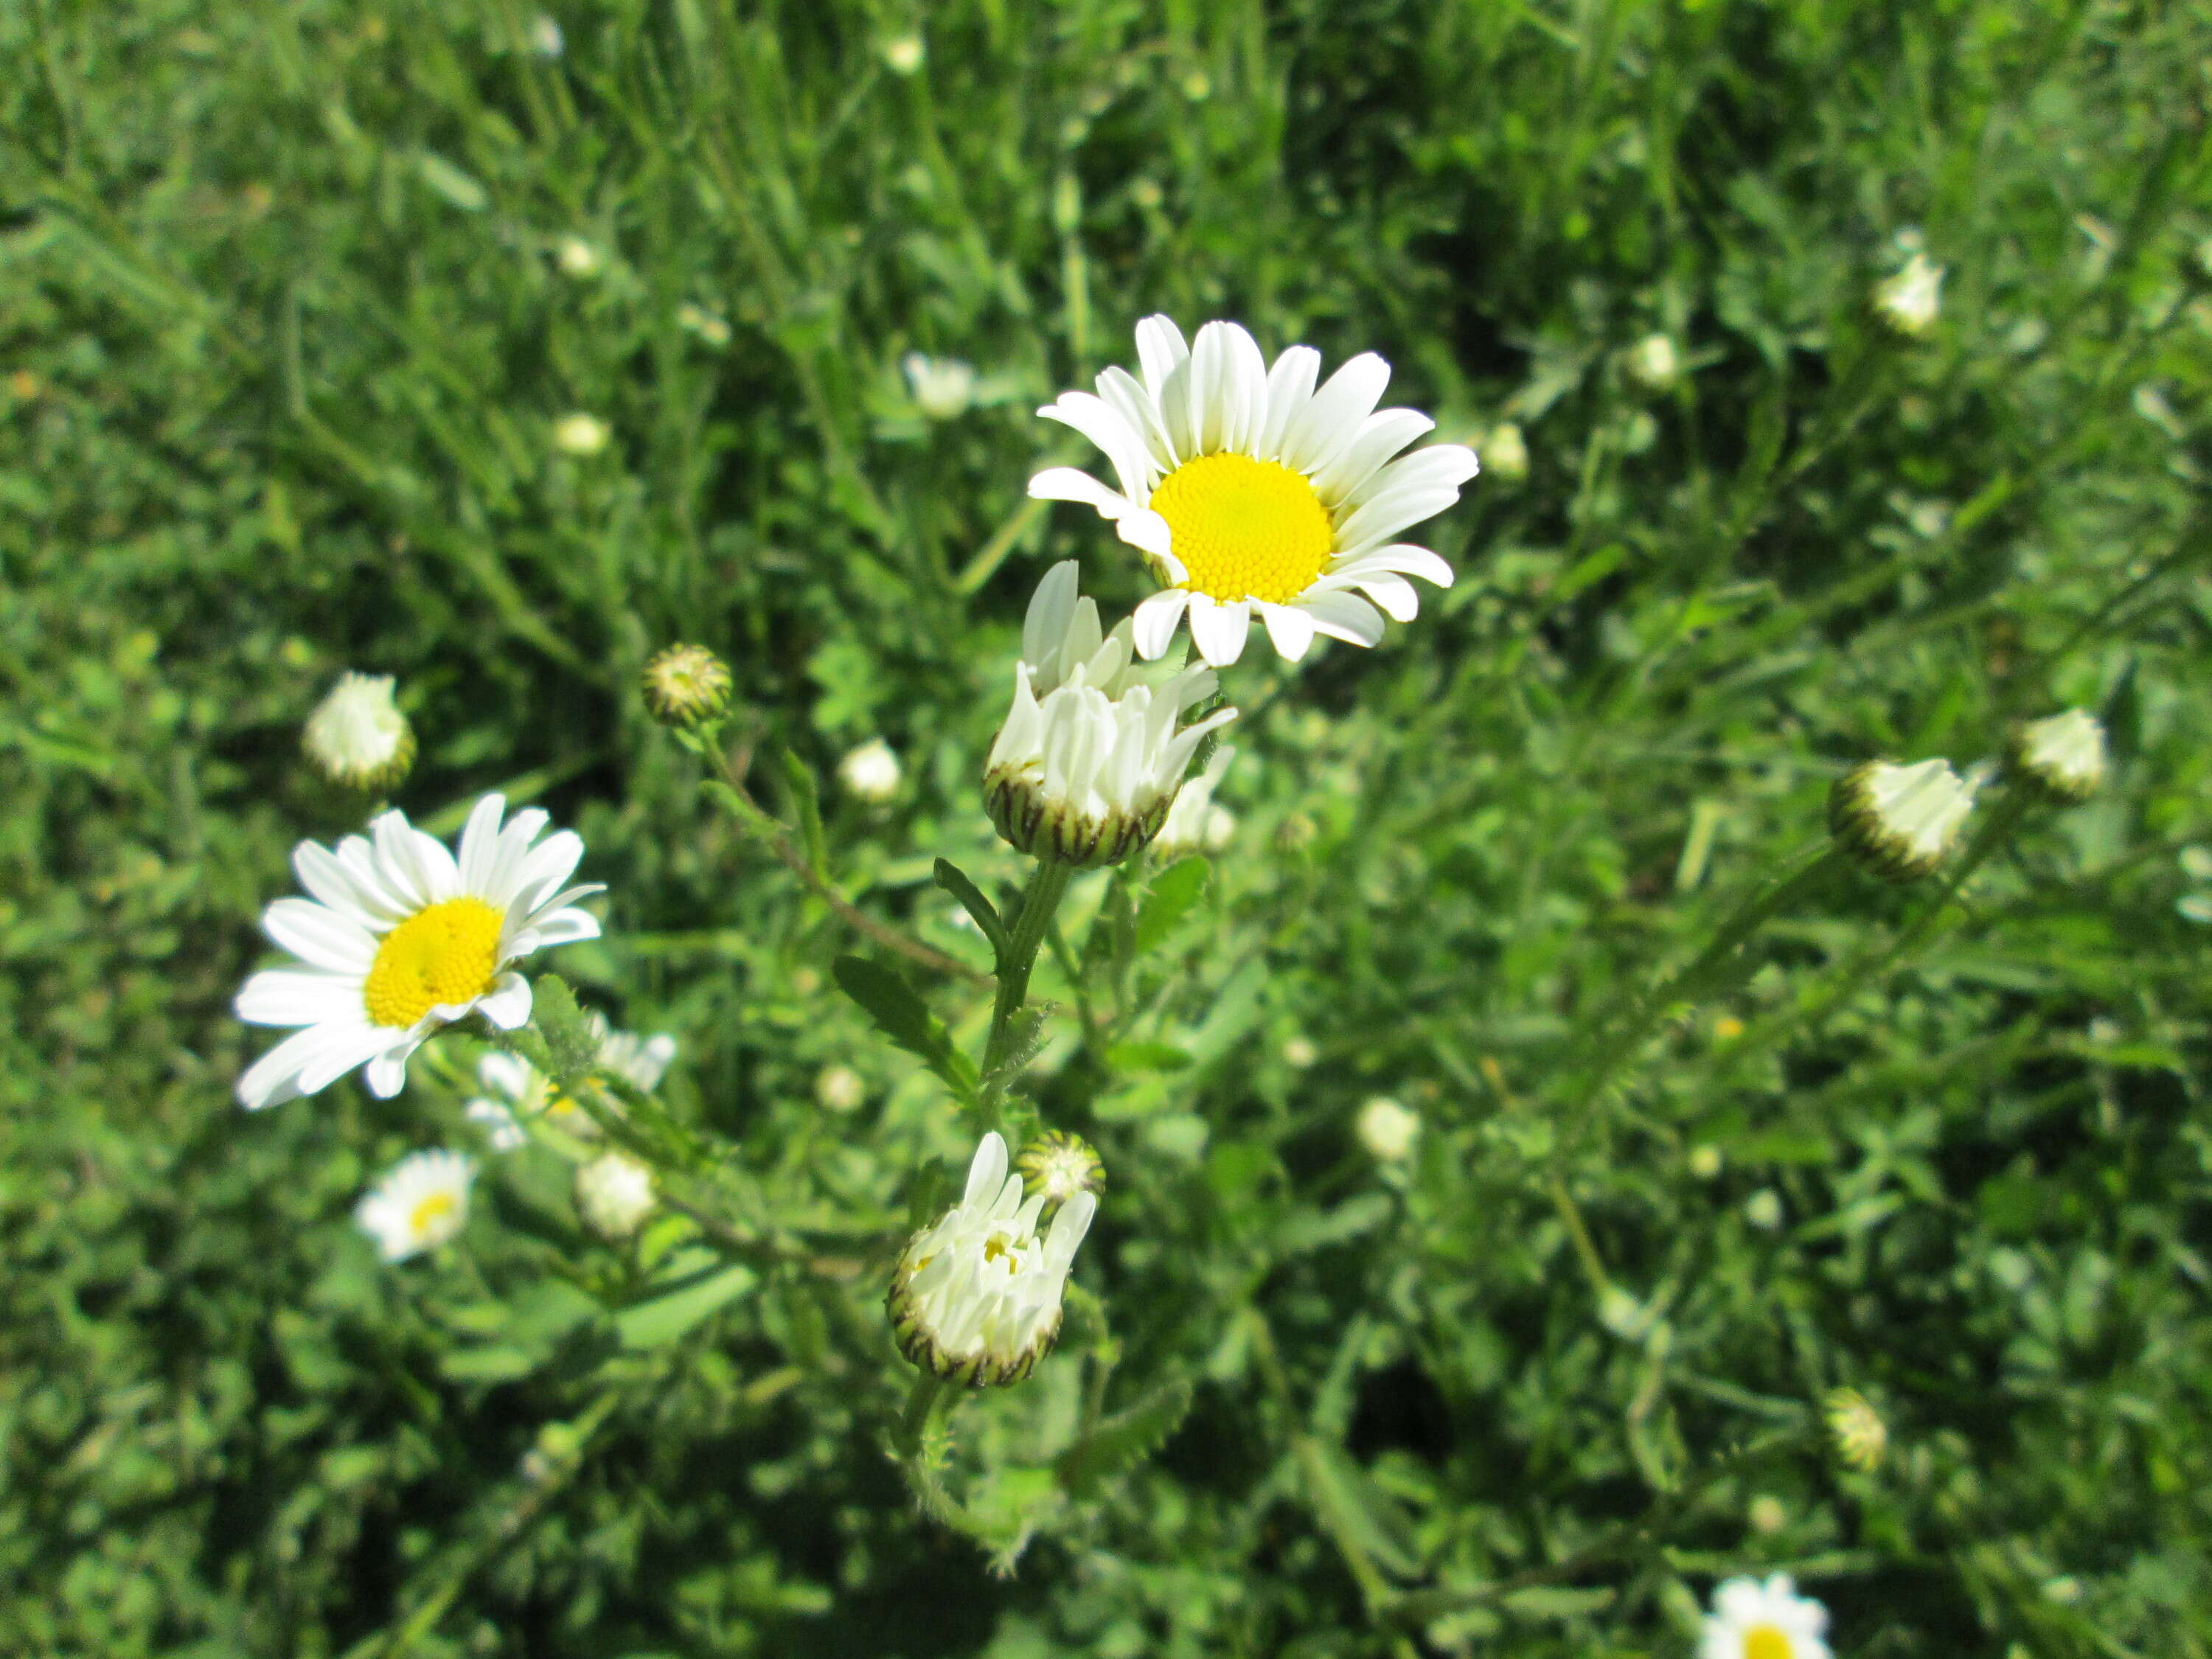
429, 1210
446, 954
1244, 529
1765, 1642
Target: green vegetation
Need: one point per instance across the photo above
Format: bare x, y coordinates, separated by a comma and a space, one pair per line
289, 321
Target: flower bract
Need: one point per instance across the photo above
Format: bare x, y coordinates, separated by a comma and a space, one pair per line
402, 936
422, 1202
1251, 490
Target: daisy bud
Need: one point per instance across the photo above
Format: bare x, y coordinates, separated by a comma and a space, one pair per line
1856, 1429
1653, 363
545, 37
943, 387
1763, 1209
1705, 1162
580, 434
1767, 1514
2062, 755
1900, 822
358, 738
420, 1204
1910, 300
1300, 1052
1194, 823
576, 258
1089, 761
1387, 1129
1504, 450
1059, 1165
870, 773
903, 53
1752, 1621
686, 684
841, 1089
614, 1196
976, 1298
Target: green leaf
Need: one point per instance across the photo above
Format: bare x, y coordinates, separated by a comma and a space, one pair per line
663, 1318
499, 1364
1174, 892
1119, 1443
903, 1017
450, 182
1359, 1509
569, 1039
1147, 1057
808, 800
954, 880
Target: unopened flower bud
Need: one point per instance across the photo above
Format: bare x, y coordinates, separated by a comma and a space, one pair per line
580, 434
1387, 1129
1860, 1437
1763, 1209
686, 684
576, 258
840, 1089
1059, 1165
1910, 300
1504, 452
1652, 362
614, 1196
357, 737
870, 773
1900, 822
1766, 1514
2062, 755
942, 387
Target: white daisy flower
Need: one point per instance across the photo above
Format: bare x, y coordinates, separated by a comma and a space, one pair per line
1752, 1621
943, 387
870, 773
977, 1296
1654, 363
1248, 490
580, 433
1910, 300
615, 1194
357, 737
400, 938
1901, 822
1089, 761
1387, 1130
1194, 823
420, 1204
2064, 755
523, 1092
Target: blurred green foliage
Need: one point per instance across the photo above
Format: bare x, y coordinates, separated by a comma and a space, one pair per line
287, 328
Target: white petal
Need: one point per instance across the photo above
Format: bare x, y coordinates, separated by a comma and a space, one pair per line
480, 843
276, 1075
564, 927
1387, 514
1066, 483
1160, 350
1385, 433
1290, 628
1208, 390
1154, 624
282, 996
550, 863
1129, 398
318, 937
1052, 607
1344, 617
344, 1050
507, 1003
396, 862
1149, 531
1290, 386
327, 880
986, 1170
1401, 557
1217, 628
1068, 1228
1098, 421
1247, 390
388, 1072
1394, 594
1334, 417
1440, 467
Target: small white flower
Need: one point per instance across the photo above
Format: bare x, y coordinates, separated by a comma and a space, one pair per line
545, 37
2064, 754
402, 937
1505, 451
357, 737
943, 387
904, 53
1752, 1621
842, 1088
1901, 821
1194, 823
580, 434
614, 1196
870, 773
977, 1296
420, 1204
1653, 363
709, 326
1387, 1129
1248, 490
1089, 761
517, 1092
1763, 1209
1300, 1052
576, 258
1911, 299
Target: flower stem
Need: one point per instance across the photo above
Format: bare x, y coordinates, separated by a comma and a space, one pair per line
1039, 902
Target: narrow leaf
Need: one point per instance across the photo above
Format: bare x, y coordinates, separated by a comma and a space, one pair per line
903, 1017
954, 880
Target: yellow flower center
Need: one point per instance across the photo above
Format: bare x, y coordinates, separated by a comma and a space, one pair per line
446, 954
1765, 1642
432, 1207
1245, 529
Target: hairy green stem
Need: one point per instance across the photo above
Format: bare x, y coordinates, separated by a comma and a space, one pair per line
1039, 904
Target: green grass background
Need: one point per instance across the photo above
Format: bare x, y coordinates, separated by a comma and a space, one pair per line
282, 340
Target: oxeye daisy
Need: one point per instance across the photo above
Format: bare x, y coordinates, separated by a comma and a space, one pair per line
421, 1203
523, 1091
402, 937
1752, 1621
1249, 491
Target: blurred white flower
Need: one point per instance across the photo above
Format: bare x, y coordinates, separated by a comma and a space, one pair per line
2195, 864
1653, 363
580, 434
1763, 1209
576, 258
1387, 1129
1088, 763
1900, 822
977, 1296
709, 326
2064, 754
943, 387
1194, 823
904, 53
841, 1089
401, 937
1752, 1621
421, 1203
1248, 491
1910, 300
545, 37
614, 1196
516, 1092
870, 773
357, 737
1300, 1052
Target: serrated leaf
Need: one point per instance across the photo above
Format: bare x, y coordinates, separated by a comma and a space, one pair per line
1174, 893
569, 1038
1122, 1441
902, 1015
